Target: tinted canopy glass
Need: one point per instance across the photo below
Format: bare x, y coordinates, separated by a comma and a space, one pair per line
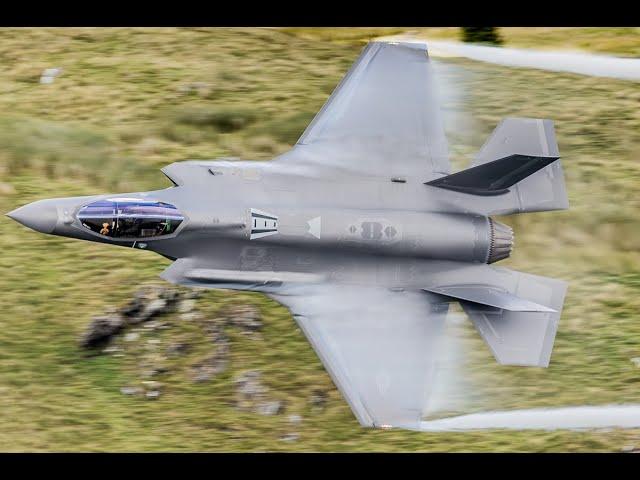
130, 218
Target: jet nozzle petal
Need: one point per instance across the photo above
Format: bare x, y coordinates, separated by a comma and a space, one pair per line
501, 242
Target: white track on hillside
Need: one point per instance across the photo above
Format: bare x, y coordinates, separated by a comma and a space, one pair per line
567, 418
580, 63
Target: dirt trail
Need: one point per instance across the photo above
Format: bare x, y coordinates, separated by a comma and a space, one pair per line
568, 418
572, 62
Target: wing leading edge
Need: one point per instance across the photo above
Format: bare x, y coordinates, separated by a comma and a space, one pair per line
383, 119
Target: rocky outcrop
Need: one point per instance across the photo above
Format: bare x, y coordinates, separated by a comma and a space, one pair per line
218, 361
318, 400
147, 304
252, 395
245, 317
134, 331
212, 365
178, 348
101, 330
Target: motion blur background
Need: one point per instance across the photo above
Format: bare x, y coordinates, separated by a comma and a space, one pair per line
230, 371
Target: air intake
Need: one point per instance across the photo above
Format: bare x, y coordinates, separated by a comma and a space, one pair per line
501, 242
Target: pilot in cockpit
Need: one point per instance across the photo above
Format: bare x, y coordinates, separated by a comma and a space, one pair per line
130, 218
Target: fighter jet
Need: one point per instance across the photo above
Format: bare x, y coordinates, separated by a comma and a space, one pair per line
361, 230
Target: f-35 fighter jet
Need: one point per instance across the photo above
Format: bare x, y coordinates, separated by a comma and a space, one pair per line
361, 230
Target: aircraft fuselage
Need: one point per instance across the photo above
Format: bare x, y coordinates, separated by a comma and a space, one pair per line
255, 204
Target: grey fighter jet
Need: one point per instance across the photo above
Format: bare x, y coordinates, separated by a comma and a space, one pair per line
360, 230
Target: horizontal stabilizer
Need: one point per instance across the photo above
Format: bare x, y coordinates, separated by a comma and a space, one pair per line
494, 178
521, 337
490, 296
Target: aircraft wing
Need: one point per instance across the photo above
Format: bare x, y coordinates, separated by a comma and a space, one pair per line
383, 119
378, 346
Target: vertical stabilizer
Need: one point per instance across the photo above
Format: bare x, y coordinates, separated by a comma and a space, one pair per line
517, 170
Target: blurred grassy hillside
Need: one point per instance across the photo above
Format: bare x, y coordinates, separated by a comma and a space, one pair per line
130, 101
616, 41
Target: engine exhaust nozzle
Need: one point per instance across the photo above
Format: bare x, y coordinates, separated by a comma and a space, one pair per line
501, 242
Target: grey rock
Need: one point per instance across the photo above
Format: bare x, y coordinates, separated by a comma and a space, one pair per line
207, 370
246, 317
152, 394
201, 374
213, 365
248, 390
147, 304
170, 295
318, 399
150, 302
248, 384
199, 88
152, 324
154, 307
49, 75
51, 72
290, 437
187, 305
101, 330
272, 407
251, 395
177, 348
190, 316
132, 310
193, 293
216, 333
295, 419
152, 372
152, 385
130, 390
131, 337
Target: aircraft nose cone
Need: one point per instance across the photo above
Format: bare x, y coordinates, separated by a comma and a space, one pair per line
40, 216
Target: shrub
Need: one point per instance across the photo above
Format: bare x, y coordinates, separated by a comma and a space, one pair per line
224, 120
481, 35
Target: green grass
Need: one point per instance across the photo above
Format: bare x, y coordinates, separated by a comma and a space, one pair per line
119, 112
623, 42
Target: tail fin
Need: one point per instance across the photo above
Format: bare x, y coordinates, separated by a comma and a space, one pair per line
519, 164
526, 136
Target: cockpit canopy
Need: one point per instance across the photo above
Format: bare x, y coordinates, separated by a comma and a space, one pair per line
130, 218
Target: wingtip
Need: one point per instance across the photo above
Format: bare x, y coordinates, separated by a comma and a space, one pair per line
406, 43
